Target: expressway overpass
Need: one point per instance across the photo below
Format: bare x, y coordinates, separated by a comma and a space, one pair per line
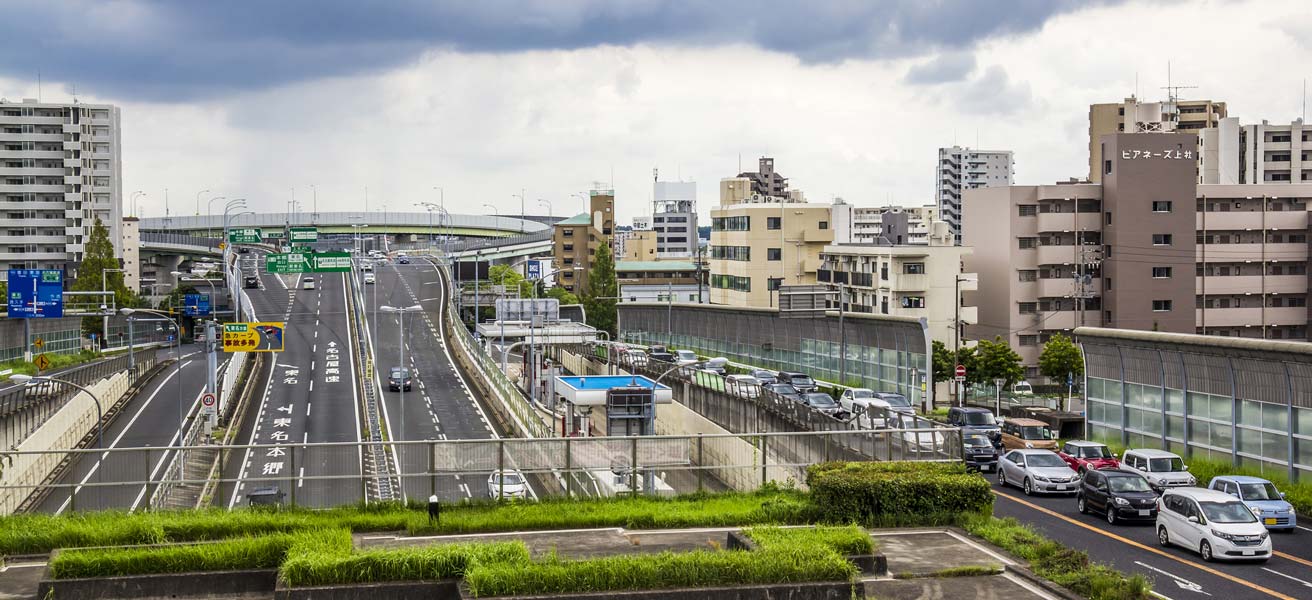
413, 224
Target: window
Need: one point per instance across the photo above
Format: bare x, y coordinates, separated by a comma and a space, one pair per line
731, 253
772, 284
773, 223
732, 282
1029, 275
1161, 272
1161, 206
913, 302
1028, 308
1109, 217
1161, 305
913, 268
774, 254
1028, 243
1027, 210
742, 223
1029, 340
569, 247
1106, 167
824, 225
567, 232
1161, 239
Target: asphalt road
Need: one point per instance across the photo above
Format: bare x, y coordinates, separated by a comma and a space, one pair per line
149, 421
309, 396
440, 405
1176, 573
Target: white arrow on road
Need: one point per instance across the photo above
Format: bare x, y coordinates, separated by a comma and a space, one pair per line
1305, 583
332, 344
1184, 584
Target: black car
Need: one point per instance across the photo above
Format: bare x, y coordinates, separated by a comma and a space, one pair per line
764, 376
396, 377
976, 420
660, 353
800, 381
978, 451
824, 403
1118, 494
251, 282
243, 250
783, 390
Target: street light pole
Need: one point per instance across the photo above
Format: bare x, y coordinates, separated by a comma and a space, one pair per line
104, 288
400, 342
198, 195
100, 414
177, 353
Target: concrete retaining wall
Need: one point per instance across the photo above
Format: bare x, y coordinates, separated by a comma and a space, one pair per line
62, 431
218, 584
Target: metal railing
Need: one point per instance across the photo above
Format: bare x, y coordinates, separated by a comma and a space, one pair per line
457, 470
181, 239
379, 457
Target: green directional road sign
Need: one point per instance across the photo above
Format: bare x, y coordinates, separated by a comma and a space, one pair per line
308, 262
274, 235
304, 234
246, 235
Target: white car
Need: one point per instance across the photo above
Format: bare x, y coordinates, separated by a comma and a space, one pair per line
927, 439
307, 283
745, 386
685, 357
1037, 470
1214, 524
507, 486
369, 278
637, 358
1162, 469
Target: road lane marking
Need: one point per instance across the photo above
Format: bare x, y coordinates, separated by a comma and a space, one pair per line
1184, 584
1132, 543
1296, 559
1305, 583
307, 405
259, 416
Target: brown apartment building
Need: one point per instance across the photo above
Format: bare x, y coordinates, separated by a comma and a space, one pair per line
575, 240
1147, 248
1135, 116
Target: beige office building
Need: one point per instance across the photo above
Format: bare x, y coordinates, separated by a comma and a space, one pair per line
1134, 116
1147, 249
575, 240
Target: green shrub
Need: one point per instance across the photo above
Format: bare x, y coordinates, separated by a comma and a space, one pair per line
848, 540
1064, 566
310, 567
265, 552
699, 568
902, 493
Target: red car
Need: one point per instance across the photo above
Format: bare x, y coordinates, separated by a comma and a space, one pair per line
1083, 455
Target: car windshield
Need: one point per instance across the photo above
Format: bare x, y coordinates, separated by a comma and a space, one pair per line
1133, 483
978, 440
1045, 460
1035, 432
863, 394
1259, 491
508, 479
399, 372
1165, 465
782, 389
979, 418
1227, 512
687, 354
1092, 452
802, 380
821, 400
895, 400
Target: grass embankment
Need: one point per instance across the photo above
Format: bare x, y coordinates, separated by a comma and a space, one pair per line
1204, 469
263, 552
57, 361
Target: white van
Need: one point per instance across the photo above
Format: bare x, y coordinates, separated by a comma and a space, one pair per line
1214, 524
307, 283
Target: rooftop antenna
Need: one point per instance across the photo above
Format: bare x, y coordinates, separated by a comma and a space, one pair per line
1172, 91
38, 85
1304, 100
655, 174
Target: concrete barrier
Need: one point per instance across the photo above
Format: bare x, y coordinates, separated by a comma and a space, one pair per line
62, 430
217, 584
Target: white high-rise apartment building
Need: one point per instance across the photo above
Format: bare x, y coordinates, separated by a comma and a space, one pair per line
674, 217
960, 169
1234, 154
60, 168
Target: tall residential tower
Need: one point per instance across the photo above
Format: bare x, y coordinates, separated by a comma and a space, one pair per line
960, 169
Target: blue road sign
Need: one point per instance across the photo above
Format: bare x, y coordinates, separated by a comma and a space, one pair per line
534, 270
36, 294
1070, 379
196, 305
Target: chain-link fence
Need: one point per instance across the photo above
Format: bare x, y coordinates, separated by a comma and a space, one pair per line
459, 470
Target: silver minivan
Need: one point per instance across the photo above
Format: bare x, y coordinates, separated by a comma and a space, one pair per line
1214, 524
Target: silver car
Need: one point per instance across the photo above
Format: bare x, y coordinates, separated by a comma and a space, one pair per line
1037, 471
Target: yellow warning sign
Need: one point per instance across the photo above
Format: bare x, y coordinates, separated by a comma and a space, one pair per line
253, 337
42, 362
39, 343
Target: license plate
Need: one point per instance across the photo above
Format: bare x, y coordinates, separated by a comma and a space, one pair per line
1269, 521
1143, 512
1250, 552
1061, 487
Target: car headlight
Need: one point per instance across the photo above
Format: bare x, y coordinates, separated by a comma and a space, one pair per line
1122, 502
1263, 536
1291, 509
1193, 481
1257, 512
1040, 478
1222, 535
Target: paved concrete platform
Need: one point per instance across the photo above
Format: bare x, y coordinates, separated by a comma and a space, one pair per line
18, 579
585, 543
920, 552
996, 587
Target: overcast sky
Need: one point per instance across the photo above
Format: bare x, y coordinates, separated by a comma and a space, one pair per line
851, 98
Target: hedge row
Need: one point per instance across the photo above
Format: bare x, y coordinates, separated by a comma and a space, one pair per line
887, 493
264, 552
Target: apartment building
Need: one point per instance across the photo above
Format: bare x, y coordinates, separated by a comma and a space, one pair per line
674, 218
1147, 248
132, 253
889, 225
1134, 116
575, 240
1259, 153
60, 169
759, 243
656, 273
904, 280
960, 169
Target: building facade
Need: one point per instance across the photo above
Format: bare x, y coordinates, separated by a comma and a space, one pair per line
660, 281
756, 247
1133, 116
903, 281
960, 169
895, 225
132, 253
674, 218
60, 170
1262, 153
575, 240
1146, 249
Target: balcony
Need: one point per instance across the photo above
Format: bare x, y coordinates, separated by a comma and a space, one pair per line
1282, 220
817, 235
969, 315
47, 189
31, 153
1058, 287
1057, 319
30, 223
15, 256
907, 282
1251, 316
1216, 253
31, 120
1069, 221
31, 137
1056, 255
1275, 146
1252, 284
38, 171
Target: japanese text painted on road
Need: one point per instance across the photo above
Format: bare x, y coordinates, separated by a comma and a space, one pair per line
253, 337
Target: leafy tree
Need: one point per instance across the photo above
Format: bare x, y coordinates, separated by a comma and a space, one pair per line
176, 298
563, 295
998, 361
509, 277
969, 357
944, 363
1061, 356
599, 298
98, 256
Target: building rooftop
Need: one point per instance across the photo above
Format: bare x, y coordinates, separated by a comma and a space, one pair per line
654, 265
579, 219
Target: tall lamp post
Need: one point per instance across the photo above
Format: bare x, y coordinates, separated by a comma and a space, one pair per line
177, 353
100, 414
104, 288
209, 208
400, 342
548, 203
133, 200
521, 209
198, 195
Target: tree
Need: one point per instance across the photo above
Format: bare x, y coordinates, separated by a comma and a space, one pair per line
1061, 357
98, 256
599, 298
563, 295
944, 363
969, 357
998, 361
509, 277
